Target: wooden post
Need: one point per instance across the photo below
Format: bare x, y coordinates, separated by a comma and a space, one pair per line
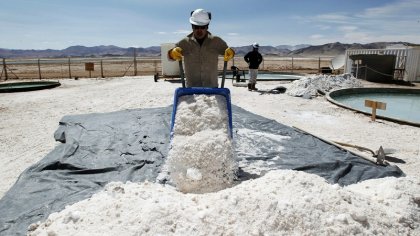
69, 69
135, 62
375, 105
90, 66
5, 69
292, 65
102, 70
319, 64
61, 69
39, 69
155, 65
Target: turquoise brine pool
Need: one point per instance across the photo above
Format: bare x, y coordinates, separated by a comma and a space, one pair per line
401, 104
275, 76
263, 76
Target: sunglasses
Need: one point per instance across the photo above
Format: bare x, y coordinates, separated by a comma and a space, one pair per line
200, 26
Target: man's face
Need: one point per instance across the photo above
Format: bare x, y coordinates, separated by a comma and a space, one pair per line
200, 31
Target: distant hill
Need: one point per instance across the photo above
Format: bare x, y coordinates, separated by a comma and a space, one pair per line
265, 50
305, 50
333, 49
292, 48
80, 51
330, 49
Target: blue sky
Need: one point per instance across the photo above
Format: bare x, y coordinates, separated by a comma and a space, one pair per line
58, 24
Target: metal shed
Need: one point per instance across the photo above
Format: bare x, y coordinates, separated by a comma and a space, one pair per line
407, 62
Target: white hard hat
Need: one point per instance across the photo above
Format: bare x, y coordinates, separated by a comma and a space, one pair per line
200, 17
255, 45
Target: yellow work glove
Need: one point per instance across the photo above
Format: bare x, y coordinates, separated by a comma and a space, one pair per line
229, 53
175, 53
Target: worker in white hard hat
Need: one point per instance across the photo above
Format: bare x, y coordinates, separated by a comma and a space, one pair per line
254, 59
201, 51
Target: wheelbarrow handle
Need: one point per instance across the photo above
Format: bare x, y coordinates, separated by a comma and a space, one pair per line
224, 74
181, 71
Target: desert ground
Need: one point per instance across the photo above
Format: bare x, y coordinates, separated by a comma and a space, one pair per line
29, 120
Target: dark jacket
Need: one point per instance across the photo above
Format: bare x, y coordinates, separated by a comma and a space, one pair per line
254, 59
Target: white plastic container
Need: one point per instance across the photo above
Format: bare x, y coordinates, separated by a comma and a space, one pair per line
169, 68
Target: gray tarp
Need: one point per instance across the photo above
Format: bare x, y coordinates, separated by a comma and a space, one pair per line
131, 145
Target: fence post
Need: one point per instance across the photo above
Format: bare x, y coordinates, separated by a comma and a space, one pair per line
102, 70
5, 69
155, 64
69, 69
135, 62
319, 64
292, 65
39, 69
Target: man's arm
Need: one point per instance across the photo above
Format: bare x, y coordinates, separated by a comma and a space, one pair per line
246, 58
259, 58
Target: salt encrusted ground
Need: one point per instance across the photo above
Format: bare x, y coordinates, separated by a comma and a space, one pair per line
283, 201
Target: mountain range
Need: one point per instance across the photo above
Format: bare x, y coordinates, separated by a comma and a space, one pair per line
330, 49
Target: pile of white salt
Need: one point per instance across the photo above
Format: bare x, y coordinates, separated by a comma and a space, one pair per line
201, 157
282, 202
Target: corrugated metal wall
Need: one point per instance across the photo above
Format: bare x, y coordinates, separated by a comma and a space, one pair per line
407, 62
413, 65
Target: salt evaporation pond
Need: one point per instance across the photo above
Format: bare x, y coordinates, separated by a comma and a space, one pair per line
401, 104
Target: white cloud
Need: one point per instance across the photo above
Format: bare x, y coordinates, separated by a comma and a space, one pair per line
332, 18
395, 21
323, 27
358, 37
182, 32
316, 36
397, 8
348, 28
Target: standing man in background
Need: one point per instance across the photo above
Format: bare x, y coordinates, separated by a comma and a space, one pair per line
201, 51
254, 59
